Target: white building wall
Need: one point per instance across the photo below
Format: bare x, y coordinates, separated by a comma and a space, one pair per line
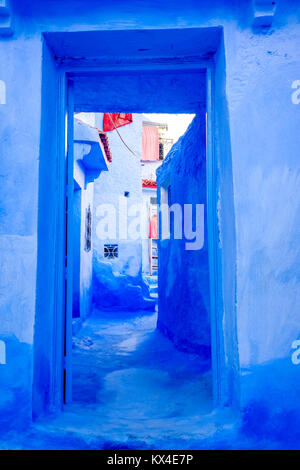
147, 195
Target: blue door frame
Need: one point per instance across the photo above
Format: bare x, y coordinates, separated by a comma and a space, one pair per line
212, 232
215, 275
67, 391
62, 320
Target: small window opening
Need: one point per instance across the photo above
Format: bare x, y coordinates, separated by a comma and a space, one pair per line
161, 151
88, 229
111, 251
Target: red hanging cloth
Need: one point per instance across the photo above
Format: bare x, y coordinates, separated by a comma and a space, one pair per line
113, 120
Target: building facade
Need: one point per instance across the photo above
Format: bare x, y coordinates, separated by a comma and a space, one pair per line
118, 248
90, 159
240, 59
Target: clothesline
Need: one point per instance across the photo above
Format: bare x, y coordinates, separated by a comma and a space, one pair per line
127, 146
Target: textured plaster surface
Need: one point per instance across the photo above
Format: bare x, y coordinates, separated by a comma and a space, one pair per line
184, 294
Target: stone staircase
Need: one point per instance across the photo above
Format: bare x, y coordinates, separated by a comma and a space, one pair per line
6, 28
152, 283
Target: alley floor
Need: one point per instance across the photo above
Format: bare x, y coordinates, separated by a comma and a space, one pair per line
133, 390
131, 384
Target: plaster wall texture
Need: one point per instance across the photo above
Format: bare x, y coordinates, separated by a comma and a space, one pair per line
149, 169
19, 156
19, 153
183, 275
148, 172
147, 195
82, 260
76, 251
118, 282
88, 164
86, 265
266, 178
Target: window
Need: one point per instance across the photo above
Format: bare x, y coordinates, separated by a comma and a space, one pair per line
88, 229
164, 213
165, 146
171, 214
153, 200
111, 251
161, 151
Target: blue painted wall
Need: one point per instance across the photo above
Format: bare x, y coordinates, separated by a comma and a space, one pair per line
89, 162
82, 259
147, 195
47, 321
118, 283
183, 287
76, 249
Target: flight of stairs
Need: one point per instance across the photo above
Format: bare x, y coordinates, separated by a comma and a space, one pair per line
153, 286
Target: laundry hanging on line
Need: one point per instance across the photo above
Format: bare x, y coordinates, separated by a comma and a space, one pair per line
150, 143
153, 227
113, 120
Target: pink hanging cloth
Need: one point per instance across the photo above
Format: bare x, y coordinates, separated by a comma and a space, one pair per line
150, 143
153, 227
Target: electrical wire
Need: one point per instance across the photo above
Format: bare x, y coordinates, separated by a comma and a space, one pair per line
133, 153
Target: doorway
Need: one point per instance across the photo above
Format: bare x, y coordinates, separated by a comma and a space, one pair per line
181, 86
126, 366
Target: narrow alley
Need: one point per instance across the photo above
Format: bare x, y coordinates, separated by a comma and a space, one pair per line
132, 388
130, 383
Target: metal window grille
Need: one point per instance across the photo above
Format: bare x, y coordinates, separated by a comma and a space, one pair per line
111, 251
88, 229
161, 151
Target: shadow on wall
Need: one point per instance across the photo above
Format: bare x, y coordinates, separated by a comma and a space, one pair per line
272, 413
184, 304
15, 398
115, 290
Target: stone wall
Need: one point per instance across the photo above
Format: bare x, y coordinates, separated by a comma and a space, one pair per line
184, 303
